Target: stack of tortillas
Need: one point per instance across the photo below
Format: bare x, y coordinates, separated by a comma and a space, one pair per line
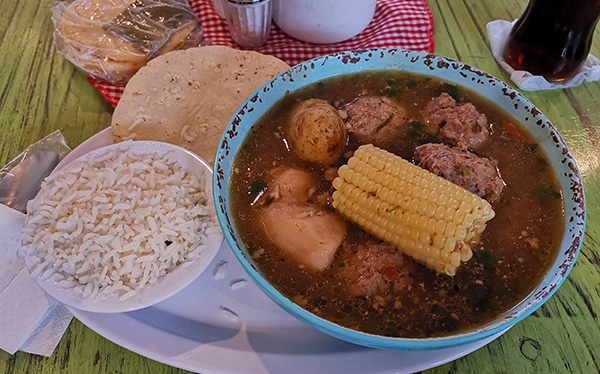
113, 39
188, 97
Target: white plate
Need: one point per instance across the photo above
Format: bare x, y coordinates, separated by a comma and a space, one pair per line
171, 282
222, 323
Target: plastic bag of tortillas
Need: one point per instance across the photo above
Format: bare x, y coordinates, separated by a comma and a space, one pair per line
112, 39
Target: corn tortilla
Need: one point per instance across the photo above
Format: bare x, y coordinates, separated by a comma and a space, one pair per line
188, 97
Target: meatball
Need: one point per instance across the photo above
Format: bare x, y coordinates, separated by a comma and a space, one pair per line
377, 270
375, 119
316, 132
461, 125
474, 173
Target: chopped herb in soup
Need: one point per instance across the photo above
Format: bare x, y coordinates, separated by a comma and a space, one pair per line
283, 204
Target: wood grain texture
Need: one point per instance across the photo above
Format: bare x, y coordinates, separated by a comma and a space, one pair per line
41, 92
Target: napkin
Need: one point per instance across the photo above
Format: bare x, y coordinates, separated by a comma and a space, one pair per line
402, 24
31, 321
498, 32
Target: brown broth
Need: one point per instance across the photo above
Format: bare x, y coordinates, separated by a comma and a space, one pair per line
515, 251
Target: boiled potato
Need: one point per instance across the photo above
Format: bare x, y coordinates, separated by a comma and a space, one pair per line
316, 132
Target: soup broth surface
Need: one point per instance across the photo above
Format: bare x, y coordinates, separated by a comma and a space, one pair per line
409, 300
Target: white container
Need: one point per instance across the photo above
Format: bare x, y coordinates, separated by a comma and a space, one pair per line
218, 6
323, 21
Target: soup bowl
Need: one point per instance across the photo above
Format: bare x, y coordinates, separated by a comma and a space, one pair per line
447, 70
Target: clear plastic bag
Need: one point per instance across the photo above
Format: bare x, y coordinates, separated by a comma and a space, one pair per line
112, 39
51, 142
21, 178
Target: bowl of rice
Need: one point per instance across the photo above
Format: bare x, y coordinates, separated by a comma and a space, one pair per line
123, 227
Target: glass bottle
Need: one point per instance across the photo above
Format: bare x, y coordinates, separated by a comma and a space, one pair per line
553, 37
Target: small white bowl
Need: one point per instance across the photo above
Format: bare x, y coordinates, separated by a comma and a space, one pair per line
170, 283
323, 21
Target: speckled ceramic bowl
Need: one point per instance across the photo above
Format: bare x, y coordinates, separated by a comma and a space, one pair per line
430, 65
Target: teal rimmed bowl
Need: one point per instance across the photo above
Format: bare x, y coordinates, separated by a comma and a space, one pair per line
446, 69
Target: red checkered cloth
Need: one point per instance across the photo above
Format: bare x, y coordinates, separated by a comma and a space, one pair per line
403, 24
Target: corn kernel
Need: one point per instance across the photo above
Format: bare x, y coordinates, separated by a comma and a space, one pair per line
430, 226
439, 213
450, 229
440, 227
439, 241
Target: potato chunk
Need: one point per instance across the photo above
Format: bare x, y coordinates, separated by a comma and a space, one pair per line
305, 232
316, 132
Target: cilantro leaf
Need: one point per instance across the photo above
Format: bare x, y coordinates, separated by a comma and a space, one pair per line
542, 193
257, 187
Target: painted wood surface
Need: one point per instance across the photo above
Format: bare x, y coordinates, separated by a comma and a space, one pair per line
41, 92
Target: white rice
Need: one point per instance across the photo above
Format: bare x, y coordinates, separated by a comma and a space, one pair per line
116, 223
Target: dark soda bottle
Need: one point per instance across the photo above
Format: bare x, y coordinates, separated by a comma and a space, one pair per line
553, 37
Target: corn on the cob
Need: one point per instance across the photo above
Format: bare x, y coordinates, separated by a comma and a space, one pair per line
425, 216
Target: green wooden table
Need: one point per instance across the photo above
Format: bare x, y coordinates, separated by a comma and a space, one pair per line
41, 92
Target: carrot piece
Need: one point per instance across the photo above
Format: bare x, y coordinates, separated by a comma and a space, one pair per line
513, 130
389, 271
